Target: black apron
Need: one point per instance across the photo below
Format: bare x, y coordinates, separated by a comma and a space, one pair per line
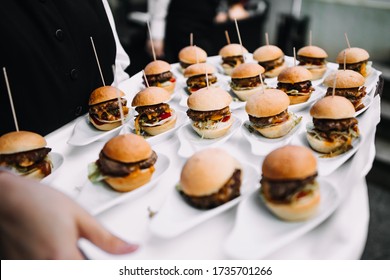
46, 49
184, 17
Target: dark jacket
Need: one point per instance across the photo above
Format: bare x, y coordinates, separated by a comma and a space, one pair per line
46, 49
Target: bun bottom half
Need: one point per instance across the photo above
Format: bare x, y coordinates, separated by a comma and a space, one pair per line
227, 69
105, 126
158, 129
296, 99
276, 131
324, 146
214, 133
317, 73
244, 95
170, 88
301, 210
276, 71
132, 181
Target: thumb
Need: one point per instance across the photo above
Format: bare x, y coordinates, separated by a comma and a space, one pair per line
90, 229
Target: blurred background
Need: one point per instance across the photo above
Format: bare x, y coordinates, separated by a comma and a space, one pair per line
288, 23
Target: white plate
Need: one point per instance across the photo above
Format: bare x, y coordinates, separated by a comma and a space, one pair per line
261, 145
181, 120
327, 165
315, 95
85, 133
99, 197
57, 161
191, 142
367, 100
257, 232
176, 216
371, 81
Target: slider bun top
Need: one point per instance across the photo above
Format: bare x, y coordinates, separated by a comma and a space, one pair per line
151, 96
21, 141
353, 55
199, 69
127, 148
189, 55
269, 103
312, 51
103, 94
294, 74
232, 50
267, 53
345, 79
247, 70
207, 171
333, 107
157, 67
289, 163
209, 99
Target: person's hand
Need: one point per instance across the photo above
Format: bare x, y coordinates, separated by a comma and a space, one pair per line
158, 48
237, 11
38, 222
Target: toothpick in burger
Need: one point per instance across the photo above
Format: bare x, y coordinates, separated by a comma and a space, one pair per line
190, 55
125, 163
26, 154
158, 73
296, 82
209, 112
210, 178
271, 58
288, 184
196, 76
268, 113
334, 126
356, 59
232, 55
246, 80
155, 116
104, 112
349, 84
313, 58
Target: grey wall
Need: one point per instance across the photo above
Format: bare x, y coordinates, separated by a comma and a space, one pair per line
367, 25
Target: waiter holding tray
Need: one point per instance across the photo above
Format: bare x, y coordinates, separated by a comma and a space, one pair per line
47, 52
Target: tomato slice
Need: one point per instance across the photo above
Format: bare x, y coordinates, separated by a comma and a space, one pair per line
172, 80
165, 115
226, 118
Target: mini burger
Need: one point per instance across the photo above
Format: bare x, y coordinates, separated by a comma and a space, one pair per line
268, 113
288, 184
349, 84
246, 80
271, 58
196, 76
191, 55
209, 112
210, 178
313, 58
158, 73
125, 163
232, 55
25, 153
334, 126
104, 112
295, 81
155, 116
356, 59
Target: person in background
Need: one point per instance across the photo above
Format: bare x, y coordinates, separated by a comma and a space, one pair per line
47, 52
172, 21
